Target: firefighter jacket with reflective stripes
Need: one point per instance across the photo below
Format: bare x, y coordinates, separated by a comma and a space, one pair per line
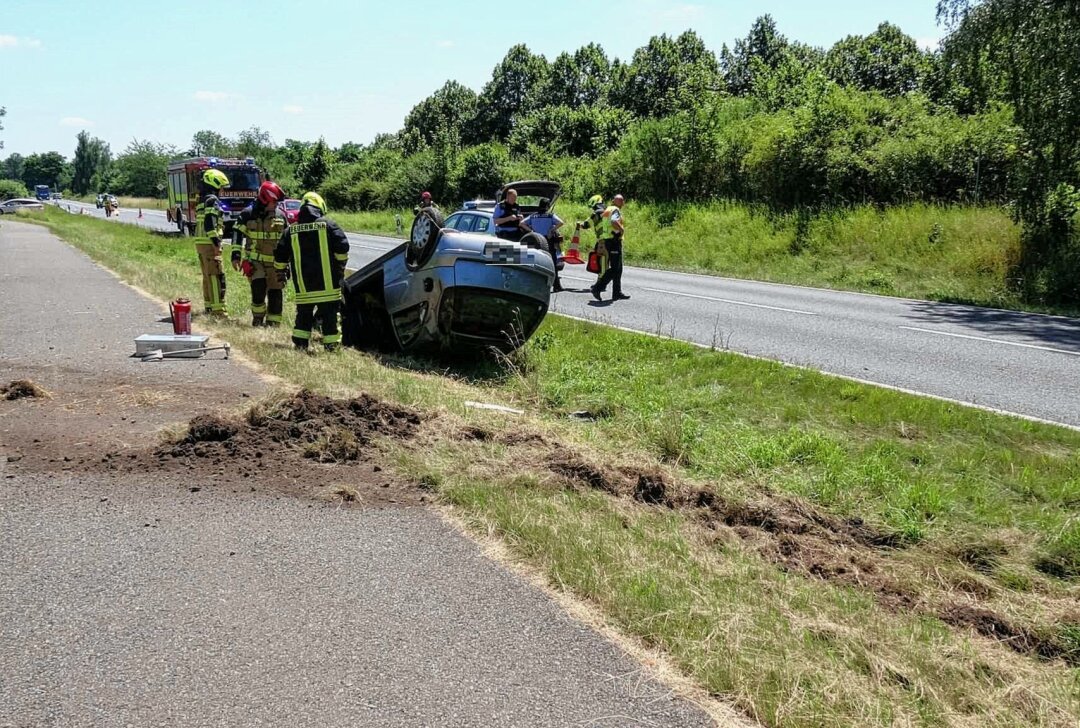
316, 249
605, 230
262, 230
208, 225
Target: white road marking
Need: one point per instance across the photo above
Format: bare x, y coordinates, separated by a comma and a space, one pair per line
732, 302
993, 341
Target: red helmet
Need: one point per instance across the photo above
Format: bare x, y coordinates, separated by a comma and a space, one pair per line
425, 196
270, 193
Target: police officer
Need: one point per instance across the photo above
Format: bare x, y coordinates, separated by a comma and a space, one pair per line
208, 241
315, 250
507, 216
547, 224
610, 232
261, 226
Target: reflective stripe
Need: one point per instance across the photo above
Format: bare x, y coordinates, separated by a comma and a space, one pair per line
301, 334
260, 257
332, 339
301, 288
344, 257
274, 317
258, 309
318, 296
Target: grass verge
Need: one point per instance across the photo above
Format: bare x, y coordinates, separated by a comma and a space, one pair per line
815, 551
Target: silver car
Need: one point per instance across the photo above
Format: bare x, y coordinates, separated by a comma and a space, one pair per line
10, 207
445, 290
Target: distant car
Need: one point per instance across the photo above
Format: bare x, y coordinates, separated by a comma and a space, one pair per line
58, 195
448, 290
10, 207
290, 209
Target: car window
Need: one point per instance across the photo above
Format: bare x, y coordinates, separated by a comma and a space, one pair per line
469, 224
453, 221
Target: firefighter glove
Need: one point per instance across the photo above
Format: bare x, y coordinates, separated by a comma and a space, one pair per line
247, 268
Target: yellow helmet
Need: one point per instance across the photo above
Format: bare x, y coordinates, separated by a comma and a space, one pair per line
215, 178
596, 200
315, 200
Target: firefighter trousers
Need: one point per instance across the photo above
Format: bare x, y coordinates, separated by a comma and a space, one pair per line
213, 277
327, 312
267, 296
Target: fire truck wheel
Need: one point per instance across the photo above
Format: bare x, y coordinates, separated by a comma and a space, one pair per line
424, 236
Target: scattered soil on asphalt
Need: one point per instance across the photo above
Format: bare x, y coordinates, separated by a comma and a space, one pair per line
307, 444
303, 445
22, 389
800, 539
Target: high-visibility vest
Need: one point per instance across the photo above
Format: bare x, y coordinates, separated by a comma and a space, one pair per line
604, 229
202, 234
314, 274
261, 235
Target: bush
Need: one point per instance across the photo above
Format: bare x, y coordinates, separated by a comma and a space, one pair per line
10, 188
349, 188
483, 170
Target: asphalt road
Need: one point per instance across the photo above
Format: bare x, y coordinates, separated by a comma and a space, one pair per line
1022, 363
131, 600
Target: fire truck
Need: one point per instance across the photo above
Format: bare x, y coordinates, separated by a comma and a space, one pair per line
186, 189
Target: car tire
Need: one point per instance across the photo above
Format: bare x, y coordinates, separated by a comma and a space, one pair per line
423, 237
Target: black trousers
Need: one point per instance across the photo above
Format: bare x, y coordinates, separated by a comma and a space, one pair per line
614, 270
266, 305
513, 236
305, 318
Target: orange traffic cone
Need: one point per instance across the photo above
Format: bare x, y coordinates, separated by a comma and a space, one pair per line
573, 253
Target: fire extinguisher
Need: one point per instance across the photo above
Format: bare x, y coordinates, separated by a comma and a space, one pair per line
180, 309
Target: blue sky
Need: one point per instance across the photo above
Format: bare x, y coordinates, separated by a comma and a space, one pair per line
343, 70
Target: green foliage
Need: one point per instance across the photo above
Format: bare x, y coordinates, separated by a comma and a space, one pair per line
510, 92
211, 143
483, 170
887, 60
141, 169
452, 105
575, 131
316, 166
10, 188
3, 113
49, 168
581, 79
665, 75
92, 159
13, 167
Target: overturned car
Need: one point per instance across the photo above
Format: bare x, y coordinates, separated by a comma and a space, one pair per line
445, 290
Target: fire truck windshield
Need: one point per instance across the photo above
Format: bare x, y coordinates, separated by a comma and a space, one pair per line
242, 178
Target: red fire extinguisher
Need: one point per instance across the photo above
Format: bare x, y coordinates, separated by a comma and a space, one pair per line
181, 316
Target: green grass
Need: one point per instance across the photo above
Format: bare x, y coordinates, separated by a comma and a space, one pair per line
941, 253
380, 222
146, 203
986, 506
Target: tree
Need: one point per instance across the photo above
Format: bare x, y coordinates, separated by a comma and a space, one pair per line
887, 60
349, 152
581, 79
254, 142
10, 188
3, 113
483, 170
91, 157
316, 166
13, 167
210, 143
142, 168
453, 105
510, 92
665, 72
762, 49
1035, 44
44, 169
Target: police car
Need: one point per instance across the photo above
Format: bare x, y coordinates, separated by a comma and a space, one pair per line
452, 286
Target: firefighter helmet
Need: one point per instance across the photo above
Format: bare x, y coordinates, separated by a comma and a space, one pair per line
596, 200
315, 200
270, 194
215, 178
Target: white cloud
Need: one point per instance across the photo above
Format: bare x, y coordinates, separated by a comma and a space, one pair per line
12, 41
445, 44
75, 121
211, 96
929, 44
292, 109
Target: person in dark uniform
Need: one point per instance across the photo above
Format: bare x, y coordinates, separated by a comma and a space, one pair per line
610, 232
507, 216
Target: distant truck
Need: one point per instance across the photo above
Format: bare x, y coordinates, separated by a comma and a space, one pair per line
186, 188
42, 192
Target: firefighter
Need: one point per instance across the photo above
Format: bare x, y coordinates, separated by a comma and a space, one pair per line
610, 232
596, 203
208, 241
262, 226
314, 249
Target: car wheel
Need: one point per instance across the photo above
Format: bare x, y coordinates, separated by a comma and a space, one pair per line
423, 238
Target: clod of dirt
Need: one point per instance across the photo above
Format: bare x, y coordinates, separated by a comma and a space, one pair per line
579, 471
997, 627
22, 389
651, 489
210, 428
983, 556
476, 433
